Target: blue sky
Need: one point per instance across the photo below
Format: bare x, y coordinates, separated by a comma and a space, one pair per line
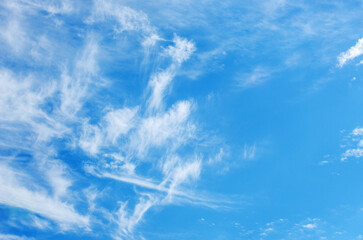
151, 120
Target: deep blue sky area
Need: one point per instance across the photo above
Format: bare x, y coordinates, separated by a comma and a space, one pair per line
152, 120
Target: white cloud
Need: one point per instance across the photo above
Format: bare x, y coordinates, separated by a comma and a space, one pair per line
160, 81
181, 51
355, 152
151, 40
114, 124
56, 174
171, 127
218, 157
75, 87
174, 177
172, 188
20, 105
183, 174
14, 35
13, 237
127, 18
40, 223
357, 132
127, 221
351, 53
86, 62
356, 137
17, 101
255, 78
267, 231
16, 194
15, 32
53, 7
91, 139
310, 226
176, 174
119, 122
91, 195
323, 162
31, 107
120, 163
272, 6
132, 179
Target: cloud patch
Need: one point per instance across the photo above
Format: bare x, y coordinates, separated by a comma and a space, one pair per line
352, 53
